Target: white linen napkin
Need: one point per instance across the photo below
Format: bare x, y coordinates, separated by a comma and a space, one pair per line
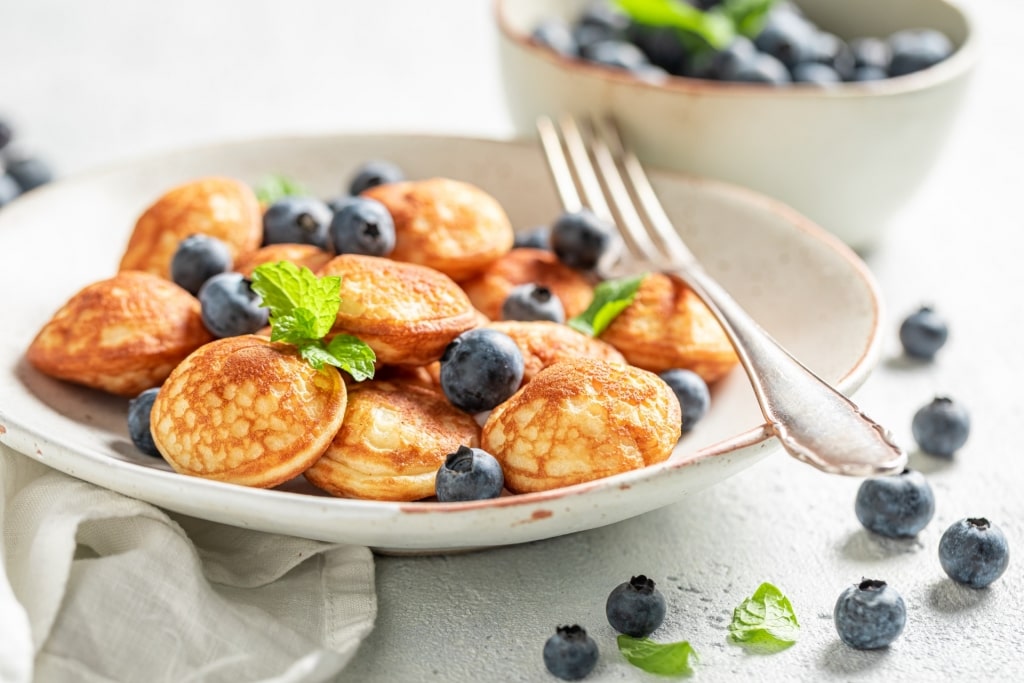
96, 586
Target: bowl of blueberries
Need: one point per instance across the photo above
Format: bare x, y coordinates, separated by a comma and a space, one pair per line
839, 109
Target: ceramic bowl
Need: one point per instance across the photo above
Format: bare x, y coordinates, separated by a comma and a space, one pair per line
847, 156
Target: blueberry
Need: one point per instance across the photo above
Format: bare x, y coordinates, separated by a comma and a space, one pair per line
532, 302
787, 37
374, 173
873, 52
941, 427
616, 54
635, 607
480, 369
362, 226
763, 68
815, 74
230, 307
197, 259
298, 220
9, 189
862, 74
582, 240
692, 392
923, 333
29, 172
870, 615
728, 62
661, 46
570, 654
468, 474
336, 204
833, 51
139, 409
6, 134
974, 552
896, 506
555, 35
534, 238
917, 49
602, 14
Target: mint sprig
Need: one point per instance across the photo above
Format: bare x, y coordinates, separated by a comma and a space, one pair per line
765, 621
714, 28
663, 659
303, 308
278, 186
611, 297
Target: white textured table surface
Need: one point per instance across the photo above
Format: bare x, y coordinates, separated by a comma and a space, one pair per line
91, 83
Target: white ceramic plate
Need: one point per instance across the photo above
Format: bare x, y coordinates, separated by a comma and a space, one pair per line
806, 288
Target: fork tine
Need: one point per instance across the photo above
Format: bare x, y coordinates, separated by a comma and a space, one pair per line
558, 165
584, 169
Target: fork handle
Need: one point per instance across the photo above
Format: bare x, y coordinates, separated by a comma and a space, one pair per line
813, 421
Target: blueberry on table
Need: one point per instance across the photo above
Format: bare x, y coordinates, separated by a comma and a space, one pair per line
896, 506
534, 238
571, 653
374, 173
29, 172
923, 333
635, 607
230, 307
362, 226
869, 615
941, 427
9, 189
480, 369
974, 552
532, 302
468, 474
917, 49
554, 34
297, 220
139, 409
692, 392
197, 259
581, 239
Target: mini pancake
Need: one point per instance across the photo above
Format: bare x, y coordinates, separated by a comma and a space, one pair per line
489, 289
394, 439
122, 335
405, 312
580, 420
247, 411
302, 255
448, 225
224, 208
545, 343
667, 326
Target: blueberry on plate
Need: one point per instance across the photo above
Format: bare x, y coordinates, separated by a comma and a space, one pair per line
468, 474
896, 506
229, 306
616, 54
582, 240
787, 37
974, 552
139, 409
571, 653
374, 173
763, 68
917, 49
692, 392
731, 59
863, 74
297, 220
336, 204
532, 302
480, 369
873, 52
534, 238
197, 259
815, 74
923, 333
869, 615
9, 189
635, 607
362, 226
941, 427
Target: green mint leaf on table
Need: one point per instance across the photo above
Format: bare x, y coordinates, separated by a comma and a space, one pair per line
765, 621
611, 297
303, 308
663, 659
275, 187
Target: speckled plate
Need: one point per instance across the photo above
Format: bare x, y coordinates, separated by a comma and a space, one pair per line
807, 289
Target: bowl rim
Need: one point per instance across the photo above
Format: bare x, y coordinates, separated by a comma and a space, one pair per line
961, 61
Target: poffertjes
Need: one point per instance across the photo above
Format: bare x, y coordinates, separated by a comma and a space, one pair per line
122, 335
579, 420
247, 411
545, 343
302, 255
392, 442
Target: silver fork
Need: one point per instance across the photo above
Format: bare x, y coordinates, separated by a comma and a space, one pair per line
814, 422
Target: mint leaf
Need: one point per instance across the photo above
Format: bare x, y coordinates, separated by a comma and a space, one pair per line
747, 16
714, 28
354, 356
663, 659
765, 621
275, 187
611, 297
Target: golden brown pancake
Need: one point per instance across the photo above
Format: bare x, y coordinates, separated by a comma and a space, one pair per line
405, 312
448, 225
302, 255
544, 343
394, 439
580, 420
667, 326
247, 411
224, 208
122, 335
489, 289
